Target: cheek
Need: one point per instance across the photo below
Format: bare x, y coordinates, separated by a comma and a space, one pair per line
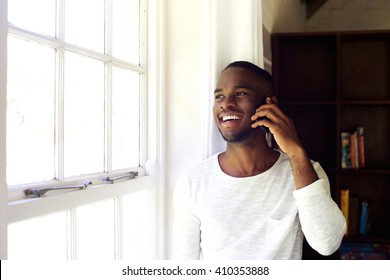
250, 107
215, 108
215, 112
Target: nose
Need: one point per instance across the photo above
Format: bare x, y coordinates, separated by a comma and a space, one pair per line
227, 103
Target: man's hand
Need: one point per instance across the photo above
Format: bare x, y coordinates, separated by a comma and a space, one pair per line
281, 126
285, 135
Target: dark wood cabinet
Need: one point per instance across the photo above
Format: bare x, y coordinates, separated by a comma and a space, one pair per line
331, 82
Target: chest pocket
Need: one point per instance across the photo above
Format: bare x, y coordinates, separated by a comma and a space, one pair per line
281, 233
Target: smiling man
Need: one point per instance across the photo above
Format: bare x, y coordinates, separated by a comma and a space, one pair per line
252, 201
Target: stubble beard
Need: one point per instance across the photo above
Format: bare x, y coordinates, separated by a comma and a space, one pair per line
239, 137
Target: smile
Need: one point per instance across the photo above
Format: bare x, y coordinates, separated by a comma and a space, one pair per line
229, 118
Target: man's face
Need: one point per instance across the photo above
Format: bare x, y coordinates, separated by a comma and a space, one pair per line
238, 94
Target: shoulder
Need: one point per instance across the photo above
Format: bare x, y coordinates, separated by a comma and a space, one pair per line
198, 174
203, 168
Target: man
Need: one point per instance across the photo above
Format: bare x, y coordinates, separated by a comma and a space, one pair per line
252, 201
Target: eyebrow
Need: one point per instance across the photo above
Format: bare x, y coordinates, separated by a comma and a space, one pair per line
235, 88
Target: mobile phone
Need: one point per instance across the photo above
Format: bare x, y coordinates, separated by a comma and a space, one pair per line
264, 128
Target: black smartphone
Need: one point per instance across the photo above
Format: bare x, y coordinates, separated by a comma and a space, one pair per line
264, 128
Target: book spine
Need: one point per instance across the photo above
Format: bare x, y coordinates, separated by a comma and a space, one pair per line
361, 149
354, 150
344, 201
363, 225
345, 150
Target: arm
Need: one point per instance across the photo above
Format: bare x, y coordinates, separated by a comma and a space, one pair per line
285, 135
304, 173
322, 221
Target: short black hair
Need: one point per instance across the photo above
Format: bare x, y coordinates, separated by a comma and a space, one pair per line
255, 69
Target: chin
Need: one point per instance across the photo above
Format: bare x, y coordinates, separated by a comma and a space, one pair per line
238, 138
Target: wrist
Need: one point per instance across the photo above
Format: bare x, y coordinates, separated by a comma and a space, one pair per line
298, 153
303, 170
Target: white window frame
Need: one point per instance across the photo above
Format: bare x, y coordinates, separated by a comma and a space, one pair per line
151, 175
3, 102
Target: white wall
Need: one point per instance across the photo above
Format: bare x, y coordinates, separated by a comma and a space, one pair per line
340, 15
182, 92
284, 15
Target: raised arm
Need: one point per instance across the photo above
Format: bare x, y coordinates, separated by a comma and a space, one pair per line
285, 135
321, 219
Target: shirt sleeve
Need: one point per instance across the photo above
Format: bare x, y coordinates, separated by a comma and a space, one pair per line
322, 221
186, 225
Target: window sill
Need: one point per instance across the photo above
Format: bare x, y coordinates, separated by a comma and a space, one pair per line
33, 207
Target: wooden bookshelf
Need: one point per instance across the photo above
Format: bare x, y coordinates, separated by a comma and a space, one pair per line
331, 82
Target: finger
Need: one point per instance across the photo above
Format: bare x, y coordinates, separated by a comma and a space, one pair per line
268, 111
268, 100
263, 121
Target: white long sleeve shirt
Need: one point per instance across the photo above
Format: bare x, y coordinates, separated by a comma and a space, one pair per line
217, 216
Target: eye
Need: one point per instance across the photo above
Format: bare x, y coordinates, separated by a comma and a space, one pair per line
241, 93
219, 97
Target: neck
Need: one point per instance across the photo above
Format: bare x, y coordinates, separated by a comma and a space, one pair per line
247, 159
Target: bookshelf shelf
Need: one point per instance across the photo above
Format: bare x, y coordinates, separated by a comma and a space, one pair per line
333, 82
364, 102
366, 239
368, 171
310, 103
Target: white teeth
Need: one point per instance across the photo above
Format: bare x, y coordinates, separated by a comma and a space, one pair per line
228, 118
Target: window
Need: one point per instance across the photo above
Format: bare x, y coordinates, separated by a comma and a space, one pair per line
74, 88
77, 110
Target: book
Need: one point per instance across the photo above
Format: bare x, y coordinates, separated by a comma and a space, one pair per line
345, 150
361, 149
354, 152
344, 205
364, 223
353, 149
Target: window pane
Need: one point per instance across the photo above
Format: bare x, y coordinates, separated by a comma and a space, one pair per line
95, 231
41, 238
84, 115
84, 23
136, 225
37, 16
126, 25
30, 112
125, 118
